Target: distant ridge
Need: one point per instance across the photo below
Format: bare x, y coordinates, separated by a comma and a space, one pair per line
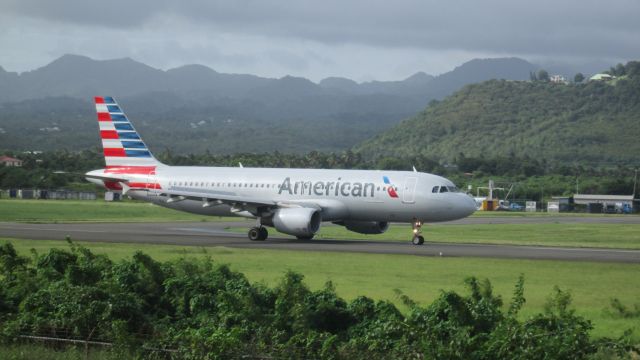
76, 75
194, 108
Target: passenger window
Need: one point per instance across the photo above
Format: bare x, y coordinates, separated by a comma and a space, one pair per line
435, 189
443, 189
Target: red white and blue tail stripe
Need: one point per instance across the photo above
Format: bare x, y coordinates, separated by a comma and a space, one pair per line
121, 143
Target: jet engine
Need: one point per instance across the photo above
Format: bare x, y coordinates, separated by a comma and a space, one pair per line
300, 222
366, 227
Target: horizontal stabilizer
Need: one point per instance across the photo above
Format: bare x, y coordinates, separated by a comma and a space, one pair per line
105, 178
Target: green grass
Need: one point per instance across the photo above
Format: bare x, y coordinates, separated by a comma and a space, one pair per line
622, 236
50, 211
422, 278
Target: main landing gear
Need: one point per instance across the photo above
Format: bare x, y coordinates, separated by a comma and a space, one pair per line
258, 233
417, 239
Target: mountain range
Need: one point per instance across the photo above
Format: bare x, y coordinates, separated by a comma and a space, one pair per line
76, 76
194, 108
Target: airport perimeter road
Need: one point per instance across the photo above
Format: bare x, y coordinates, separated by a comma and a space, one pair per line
214, 234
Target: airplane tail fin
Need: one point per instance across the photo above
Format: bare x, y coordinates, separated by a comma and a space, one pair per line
122, 145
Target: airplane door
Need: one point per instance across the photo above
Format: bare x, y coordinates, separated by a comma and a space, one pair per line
408, 193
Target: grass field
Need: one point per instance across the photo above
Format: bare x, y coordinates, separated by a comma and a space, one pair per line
90, 211
593, 285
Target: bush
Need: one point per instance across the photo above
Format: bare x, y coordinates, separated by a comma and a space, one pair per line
201, 310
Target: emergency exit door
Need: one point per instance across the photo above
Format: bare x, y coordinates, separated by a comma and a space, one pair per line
409, 190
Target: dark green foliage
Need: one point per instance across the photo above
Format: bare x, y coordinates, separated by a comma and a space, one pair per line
618, 309
200, 310
543, 75
594, 123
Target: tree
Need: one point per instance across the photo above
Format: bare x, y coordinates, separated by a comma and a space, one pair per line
618, 70
578, 78
543, 75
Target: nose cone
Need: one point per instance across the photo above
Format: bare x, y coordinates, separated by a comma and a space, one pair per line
465, 206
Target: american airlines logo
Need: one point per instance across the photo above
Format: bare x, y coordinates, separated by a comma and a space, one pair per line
334, 188
390, 188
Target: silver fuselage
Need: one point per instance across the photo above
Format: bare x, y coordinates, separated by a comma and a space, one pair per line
360, 195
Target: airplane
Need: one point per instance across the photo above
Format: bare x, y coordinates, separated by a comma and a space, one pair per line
293, 201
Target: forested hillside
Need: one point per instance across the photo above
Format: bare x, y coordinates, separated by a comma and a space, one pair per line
595, 122
193, 109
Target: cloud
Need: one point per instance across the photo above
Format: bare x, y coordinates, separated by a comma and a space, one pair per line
574, 26
315, 36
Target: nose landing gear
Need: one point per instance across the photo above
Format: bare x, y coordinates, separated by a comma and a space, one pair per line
417, 239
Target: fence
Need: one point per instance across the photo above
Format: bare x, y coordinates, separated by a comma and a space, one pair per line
47, 194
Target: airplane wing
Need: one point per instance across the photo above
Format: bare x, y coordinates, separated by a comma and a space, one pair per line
214, 197
241, 205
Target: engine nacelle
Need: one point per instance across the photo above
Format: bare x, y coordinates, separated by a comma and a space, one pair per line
367, 227
302, 222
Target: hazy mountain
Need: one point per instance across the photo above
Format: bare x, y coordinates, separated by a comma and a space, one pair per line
194, 101
339, 83
79, 76
478, 70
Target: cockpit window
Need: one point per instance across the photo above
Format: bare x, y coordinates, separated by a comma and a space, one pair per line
444, 189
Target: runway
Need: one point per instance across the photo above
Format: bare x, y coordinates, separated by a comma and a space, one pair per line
214, 234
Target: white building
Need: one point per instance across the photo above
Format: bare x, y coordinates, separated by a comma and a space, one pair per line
601, 77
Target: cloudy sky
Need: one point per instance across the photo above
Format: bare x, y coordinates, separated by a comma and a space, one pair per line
359, 39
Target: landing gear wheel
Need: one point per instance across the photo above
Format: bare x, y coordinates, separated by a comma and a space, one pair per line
304, 237
417, 230
264, 234
258, 234
417, 240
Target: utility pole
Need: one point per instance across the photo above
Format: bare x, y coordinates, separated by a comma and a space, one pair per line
635, 181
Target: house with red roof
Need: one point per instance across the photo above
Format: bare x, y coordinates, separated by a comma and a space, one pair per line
9, 161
